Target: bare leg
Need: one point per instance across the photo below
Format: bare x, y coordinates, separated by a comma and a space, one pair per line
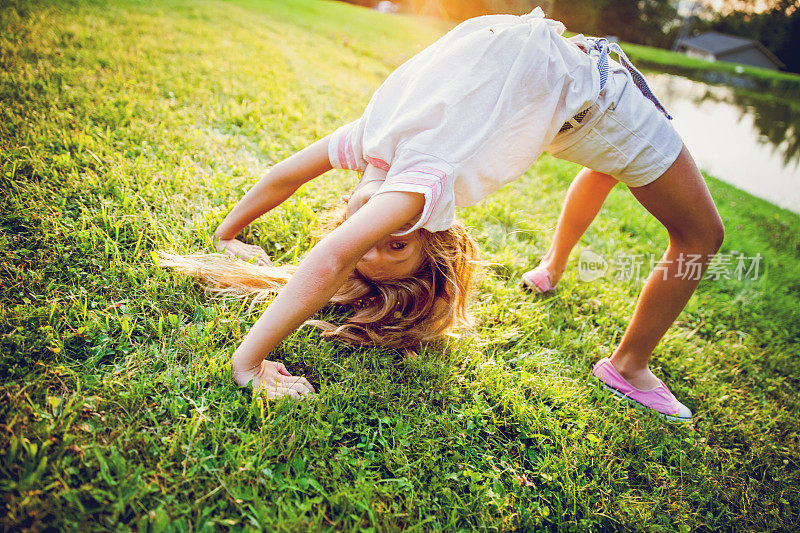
585, 197
680, 200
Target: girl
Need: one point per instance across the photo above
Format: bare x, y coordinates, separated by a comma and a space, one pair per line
457, 121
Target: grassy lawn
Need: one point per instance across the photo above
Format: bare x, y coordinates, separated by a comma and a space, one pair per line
130, 126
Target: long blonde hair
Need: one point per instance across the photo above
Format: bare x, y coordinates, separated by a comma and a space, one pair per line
400, 313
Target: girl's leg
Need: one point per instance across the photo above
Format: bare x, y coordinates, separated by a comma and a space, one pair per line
680, 200
585, 197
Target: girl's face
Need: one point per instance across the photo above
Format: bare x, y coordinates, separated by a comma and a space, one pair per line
392, 257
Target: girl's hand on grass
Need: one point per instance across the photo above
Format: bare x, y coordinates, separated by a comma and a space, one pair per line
275, 379
237, 249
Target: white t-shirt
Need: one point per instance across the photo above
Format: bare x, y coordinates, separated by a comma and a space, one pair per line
471, 112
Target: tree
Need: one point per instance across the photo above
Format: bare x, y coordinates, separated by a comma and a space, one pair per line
638, 21
578, 15
778, 29
460, 10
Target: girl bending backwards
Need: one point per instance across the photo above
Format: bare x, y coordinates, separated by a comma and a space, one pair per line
454, 123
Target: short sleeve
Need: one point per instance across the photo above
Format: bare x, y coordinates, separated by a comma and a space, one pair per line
412, 171
345, 149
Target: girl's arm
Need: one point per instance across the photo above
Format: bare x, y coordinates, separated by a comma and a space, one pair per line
278, 184
317, 279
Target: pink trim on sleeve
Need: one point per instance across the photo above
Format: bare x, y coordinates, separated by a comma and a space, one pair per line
341, 151
430, 178
435, 187
375, 162
350, 153
441, 174
348, 148
436, 192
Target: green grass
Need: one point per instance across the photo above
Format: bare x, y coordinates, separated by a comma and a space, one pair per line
128, 127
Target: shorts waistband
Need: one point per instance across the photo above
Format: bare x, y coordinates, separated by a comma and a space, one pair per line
600, 49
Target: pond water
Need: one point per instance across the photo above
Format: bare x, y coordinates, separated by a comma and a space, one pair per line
749, 140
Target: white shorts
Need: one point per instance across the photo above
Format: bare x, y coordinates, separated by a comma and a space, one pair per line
623, 134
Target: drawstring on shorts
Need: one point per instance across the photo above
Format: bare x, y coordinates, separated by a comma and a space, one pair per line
599, 48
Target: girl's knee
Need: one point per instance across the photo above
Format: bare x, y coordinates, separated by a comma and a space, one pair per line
717, 233
703, 238
713, 231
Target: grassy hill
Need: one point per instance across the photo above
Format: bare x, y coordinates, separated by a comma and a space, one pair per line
131, 126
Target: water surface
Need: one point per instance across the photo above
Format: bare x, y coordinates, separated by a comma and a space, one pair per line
749, 140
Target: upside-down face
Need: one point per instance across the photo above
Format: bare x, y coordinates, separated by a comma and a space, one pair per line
393, 257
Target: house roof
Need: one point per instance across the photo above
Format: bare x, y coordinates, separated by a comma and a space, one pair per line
716, 43
721, 44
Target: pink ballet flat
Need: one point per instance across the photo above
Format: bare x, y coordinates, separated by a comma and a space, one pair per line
538, 280
660, 399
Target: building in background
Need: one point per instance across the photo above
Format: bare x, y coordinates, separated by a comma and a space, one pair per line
714, 46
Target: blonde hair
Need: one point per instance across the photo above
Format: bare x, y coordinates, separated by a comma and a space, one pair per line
401, 313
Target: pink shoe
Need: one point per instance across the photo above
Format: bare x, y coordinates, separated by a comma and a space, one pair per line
538, 280
660, 399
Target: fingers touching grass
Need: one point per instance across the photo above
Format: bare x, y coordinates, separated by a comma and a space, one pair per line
129, 128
